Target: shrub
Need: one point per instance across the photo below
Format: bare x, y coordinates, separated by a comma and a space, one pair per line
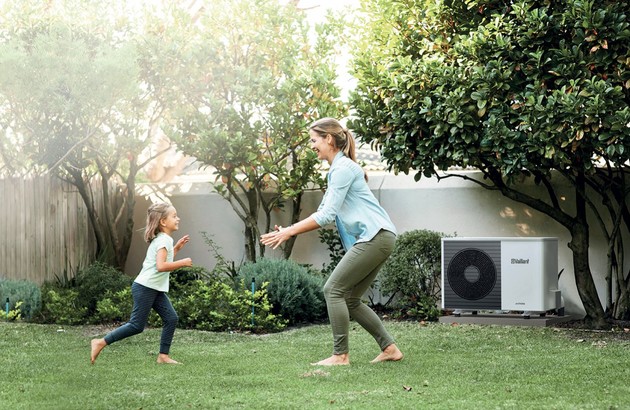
26, 292
181, 278
93, 282
412, 273
76, 301
217, 306
294, 293
61, 306
114, 307
14, 314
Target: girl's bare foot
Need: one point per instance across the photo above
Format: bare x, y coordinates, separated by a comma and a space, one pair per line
390, 354
165, 359
97, 345
334, 360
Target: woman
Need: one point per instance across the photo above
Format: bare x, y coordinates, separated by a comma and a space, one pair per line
367, 234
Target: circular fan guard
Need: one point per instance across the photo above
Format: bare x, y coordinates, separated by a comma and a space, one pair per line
471, 274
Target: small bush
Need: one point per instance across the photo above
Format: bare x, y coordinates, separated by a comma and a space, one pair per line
13, 315
61, 306
412, 273
26, 292
181, 278
76, 300
114, 307
294, 293
217, 306
93, 283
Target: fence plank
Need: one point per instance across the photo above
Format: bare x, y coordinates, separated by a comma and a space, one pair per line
44, 229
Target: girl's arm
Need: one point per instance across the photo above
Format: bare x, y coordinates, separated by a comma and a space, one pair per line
180, 244
164, 266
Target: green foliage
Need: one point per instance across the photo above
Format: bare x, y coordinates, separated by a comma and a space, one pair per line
23, 295
521, 87
61, 306
75, 105
294, 293
95, 281
217, 306
330, 237
524, 91
84, 298
181, 278
223, 268
14, 314
204, 300
413, 272
114, 307
280, 78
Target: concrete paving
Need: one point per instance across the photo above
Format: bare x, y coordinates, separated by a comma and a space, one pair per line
506, 319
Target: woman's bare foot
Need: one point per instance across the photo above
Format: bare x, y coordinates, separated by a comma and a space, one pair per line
97, 345
390, 354
165, 359
334, 360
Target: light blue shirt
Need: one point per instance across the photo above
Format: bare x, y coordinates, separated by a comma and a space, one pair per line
149, 275
349, 202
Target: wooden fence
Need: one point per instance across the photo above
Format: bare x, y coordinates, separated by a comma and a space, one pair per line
45, 232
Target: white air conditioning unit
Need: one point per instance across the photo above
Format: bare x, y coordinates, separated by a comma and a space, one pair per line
508, 274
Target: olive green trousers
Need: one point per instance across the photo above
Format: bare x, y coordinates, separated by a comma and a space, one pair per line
346, 285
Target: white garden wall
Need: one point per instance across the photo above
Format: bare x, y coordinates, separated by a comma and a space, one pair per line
452, 206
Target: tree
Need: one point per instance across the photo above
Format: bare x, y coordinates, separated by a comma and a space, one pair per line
517, 89
256, 81
72, 106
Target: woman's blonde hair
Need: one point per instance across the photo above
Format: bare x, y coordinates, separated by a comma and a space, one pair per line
344, 140
155, 214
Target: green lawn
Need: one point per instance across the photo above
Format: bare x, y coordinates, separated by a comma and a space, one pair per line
445, 367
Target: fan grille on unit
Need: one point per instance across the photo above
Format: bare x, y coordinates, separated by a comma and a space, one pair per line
471, 274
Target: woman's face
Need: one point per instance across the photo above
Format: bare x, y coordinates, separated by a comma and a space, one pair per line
320, 145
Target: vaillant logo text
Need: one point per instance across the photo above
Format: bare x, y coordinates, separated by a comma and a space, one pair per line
516, 261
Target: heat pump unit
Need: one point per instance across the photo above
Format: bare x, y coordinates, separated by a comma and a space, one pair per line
508, 274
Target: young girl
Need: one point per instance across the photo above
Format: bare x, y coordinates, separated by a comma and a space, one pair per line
367, 234
151, 285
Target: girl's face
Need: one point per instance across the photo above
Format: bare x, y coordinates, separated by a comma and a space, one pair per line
321, 145
170, 223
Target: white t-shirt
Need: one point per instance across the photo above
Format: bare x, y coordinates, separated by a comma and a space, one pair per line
149, 276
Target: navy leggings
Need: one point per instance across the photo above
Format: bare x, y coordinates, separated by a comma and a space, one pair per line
143, 300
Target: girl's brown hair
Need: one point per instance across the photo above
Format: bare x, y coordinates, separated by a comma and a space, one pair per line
155, 214
344, 140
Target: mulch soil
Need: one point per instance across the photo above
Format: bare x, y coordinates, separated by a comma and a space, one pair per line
580, 330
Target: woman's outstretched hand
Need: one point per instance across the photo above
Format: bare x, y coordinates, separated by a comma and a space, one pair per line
275, 237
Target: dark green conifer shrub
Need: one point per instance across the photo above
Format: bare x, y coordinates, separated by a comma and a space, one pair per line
294, 293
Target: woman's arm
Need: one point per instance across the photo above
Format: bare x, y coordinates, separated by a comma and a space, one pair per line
280, 235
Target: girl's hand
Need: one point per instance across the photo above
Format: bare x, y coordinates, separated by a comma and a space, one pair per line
183, 241
186, 262
275, 238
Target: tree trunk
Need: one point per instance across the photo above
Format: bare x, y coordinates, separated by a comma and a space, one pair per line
296, 209
129, 203
251, 228
583, 278
103, 246
579, 245
621, 309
